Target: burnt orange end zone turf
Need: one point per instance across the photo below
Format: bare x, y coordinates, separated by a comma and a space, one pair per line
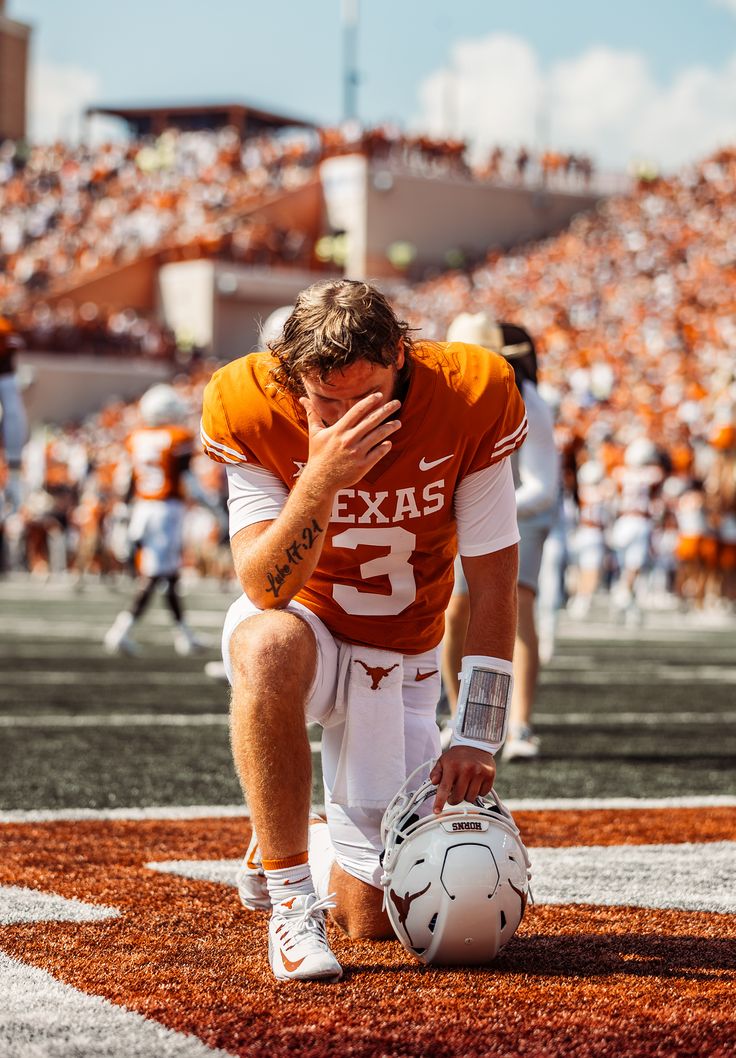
575, 981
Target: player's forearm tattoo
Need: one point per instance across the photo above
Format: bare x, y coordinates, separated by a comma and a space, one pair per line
294, 555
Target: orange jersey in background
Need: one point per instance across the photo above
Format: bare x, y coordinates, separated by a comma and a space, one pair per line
159, 455
385, 574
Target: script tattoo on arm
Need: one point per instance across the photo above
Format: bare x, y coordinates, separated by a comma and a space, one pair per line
294, 554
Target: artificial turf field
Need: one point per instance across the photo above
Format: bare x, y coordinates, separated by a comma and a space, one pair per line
113, 765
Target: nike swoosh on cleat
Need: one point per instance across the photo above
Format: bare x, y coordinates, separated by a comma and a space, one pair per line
428, 464
290, 966
425, 675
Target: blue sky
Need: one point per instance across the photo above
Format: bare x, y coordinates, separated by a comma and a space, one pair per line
638, 79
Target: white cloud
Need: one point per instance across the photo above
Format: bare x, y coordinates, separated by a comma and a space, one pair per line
604, 102
57, 98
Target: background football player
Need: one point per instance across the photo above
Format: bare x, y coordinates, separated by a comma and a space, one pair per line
159, 452
537, 478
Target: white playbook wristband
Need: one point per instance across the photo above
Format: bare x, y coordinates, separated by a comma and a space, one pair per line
484, 700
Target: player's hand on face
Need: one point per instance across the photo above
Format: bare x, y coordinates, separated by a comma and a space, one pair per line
462, 773
345, 451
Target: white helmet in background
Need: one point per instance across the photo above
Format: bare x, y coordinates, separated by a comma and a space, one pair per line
273, 326
476, 329
456, 884
640, 453
591, 472
161, 405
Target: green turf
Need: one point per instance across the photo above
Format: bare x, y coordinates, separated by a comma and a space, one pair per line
51, 663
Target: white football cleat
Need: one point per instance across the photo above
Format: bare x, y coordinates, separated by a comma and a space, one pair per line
297, 941
216, 670
252, 886
117, 640
186, 642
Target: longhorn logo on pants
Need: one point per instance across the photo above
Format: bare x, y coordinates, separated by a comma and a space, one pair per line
376, 674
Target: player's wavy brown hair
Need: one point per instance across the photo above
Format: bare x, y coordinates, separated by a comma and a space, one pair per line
333, 324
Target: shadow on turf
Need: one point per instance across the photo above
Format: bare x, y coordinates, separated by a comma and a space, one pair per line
589, 955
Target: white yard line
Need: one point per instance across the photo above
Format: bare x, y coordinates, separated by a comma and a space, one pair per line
52, 1017
82, 720
646, 719
50, 720
49, 678
664, 673
685, 876
562, 804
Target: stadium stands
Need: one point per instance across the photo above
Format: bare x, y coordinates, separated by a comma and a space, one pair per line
632, 305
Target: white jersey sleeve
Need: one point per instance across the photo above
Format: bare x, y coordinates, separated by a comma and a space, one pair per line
485, 510
539, 463
254, 495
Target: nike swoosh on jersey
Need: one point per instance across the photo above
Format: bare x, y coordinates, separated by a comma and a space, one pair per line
428, 464
425, 675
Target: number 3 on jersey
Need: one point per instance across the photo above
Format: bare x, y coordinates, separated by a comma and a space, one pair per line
395, 565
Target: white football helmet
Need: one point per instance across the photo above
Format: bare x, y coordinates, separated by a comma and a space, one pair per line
161, 405
273, 326
640, 452
456, 884
591, 472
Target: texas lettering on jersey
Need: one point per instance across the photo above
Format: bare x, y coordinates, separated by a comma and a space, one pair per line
385, 574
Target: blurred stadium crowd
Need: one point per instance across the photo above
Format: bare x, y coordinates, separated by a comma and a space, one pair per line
70, 212
632, 308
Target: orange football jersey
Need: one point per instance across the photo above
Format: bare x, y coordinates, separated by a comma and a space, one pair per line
385, 574
158, 456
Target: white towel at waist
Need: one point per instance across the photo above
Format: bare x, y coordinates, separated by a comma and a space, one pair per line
372, 764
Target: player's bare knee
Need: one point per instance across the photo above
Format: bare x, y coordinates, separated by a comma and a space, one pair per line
364, 924
359, 908
275, 646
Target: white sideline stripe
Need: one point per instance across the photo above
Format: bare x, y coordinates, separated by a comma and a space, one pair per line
118, 720
576, 804
224, 871
647, 719
110, 678
74, 815
43, 1016
529, 804
38, 628
663, 673
54, 720
687, 877
19, 904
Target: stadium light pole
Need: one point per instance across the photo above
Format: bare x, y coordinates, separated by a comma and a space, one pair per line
350, 17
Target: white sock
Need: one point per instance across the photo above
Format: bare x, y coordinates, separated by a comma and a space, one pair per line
322, 855
289, 881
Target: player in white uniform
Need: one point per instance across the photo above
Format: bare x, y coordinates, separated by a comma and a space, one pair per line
638, 480
536, 469
595, 497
